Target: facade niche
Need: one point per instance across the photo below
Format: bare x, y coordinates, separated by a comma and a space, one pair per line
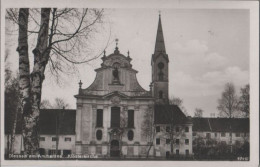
130, 135
115, 73
99, 134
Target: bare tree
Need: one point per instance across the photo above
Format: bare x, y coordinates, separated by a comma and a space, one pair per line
228, 103
45, 104
123, 127
178, 102
244, 100
198, 112
148, 129
62, 34
59, 103
12, 103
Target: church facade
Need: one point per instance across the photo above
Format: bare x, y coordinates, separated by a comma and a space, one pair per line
115, 115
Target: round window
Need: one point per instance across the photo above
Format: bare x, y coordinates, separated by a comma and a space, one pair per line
130, 135
160, 65
99, 134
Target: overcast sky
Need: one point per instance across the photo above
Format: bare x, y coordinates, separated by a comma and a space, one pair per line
206, 47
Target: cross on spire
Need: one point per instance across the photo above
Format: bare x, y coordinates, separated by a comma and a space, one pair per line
116, 50
80, 84
116, 41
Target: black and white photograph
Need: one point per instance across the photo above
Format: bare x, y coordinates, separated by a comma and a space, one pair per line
90, 83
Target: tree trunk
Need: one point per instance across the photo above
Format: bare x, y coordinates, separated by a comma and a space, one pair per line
8, 145
149, 148
152, 135
57, 131
41, 56
171, 137
230, 136
24, 65
13, 130
171, 132
152, 131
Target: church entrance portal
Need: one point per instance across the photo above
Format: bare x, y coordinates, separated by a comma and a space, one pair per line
114, 148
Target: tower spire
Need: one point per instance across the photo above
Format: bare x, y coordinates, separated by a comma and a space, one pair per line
160, 72
159, 43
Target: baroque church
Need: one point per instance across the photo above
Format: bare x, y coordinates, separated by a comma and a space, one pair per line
115, 116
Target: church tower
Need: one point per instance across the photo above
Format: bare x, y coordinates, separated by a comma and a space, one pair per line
160, 70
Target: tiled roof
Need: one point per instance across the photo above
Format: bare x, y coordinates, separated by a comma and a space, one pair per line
47, 122
220, 124
66, 121
164, 114
200, 124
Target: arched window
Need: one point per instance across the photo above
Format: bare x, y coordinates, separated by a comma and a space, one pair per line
160, 94
130, 135
99, 134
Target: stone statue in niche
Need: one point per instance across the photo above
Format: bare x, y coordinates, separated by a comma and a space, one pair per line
116, 76
115, 73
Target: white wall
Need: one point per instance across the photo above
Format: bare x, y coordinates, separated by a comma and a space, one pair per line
242, 138
181, 135
48, 144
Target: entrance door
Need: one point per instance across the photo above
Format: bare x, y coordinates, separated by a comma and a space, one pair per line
114, 148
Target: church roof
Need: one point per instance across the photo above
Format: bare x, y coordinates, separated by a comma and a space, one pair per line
47, 122
165, 114
162, 115
66, 121
220, 124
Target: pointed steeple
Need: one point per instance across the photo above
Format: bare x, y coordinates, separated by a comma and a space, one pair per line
159, 43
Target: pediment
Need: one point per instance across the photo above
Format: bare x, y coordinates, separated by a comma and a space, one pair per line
115, 97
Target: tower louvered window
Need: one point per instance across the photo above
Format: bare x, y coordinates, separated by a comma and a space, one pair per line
160, 94
161, 76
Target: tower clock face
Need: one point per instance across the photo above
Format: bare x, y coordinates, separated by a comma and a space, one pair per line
160, 65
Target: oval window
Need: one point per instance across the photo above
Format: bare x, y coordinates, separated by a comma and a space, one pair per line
130, 135
99, 134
